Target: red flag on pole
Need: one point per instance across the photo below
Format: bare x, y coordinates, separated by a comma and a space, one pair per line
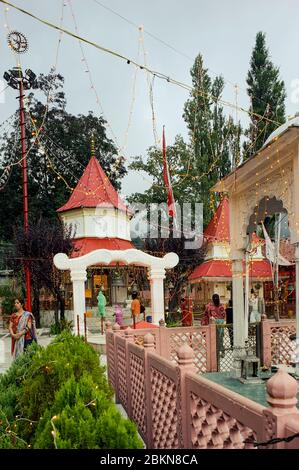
166, 176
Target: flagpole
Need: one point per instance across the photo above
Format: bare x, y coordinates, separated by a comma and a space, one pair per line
166, 177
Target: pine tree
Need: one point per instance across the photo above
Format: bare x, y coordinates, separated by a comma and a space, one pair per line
212, 134
267, 95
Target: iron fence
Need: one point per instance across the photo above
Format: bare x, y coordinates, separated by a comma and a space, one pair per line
225, 341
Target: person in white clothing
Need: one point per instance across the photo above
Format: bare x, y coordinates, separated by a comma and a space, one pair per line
255, 315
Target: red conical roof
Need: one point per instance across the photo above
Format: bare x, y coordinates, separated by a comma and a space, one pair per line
218, 228
94, 190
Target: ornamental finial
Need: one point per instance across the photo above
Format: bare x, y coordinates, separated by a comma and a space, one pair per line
92, 146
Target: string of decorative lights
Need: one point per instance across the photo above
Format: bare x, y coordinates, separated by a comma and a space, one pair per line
150, 85
53, 167
17, 57
91, 81
236, 88
181, 53
133, 99
49, 97
262, 118
212, 165
132, 62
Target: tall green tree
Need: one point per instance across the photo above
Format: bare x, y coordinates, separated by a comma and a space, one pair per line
59, 155
267, 95
195, 166
213, 135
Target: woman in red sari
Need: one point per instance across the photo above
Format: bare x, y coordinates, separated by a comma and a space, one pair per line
21, 328
216, 311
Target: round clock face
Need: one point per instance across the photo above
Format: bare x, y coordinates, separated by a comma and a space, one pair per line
17, 41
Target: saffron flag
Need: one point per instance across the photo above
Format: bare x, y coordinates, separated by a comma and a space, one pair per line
166, 176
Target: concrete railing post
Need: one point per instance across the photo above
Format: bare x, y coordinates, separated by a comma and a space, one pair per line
149, 346
163, 339
116, 331
129, 337
282, 397
185, 364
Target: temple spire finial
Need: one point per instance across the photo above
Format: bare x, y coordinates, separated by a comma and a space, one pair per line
92, 146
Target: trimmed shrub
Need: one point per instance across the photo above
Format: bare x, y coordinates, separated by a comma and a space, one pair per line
11, 388
65, 357
82, 417
58, 397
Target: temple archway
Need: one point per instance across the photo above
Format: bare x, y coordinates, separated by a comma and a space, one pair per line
270, 175
78, 270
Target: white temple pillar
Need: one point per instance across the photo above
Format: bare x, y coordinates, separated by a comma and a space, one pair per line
297, 308
238, 308
78, 278
246, 312
157, 276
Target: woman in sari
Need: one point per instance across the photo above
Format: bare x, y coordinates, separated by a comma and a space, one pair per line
215, 310
22, 329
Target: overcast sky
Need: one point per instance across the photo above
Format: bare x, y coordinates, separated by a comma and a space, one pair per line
222, 30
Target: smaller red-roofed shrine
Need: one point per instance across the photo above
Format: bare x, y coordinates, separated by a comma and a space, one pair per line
101, 220
214, 275
104, 256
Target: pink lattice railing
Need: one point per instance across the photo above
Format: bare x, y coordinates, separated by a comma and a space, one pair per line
218, 418
122, 371
110, 350
139, 335
164, 398
276, 344
201, 339
175, 407
136, 360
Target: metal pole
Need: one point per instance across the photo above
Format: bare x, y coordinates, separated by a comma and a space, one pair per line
78, 325
25, 191
85, 328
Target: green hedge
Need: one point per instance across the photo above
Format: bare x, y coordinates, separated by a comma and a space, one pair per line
59, 397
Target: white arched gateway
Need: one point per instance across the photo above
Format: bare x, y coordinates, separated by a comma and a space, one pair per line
79, 265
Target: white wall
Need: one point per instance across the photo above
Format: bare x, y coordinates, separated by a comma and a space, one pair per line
98, 222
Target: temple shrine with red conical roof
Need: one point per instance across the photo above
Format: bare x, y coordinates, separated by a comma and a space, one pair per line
100, 220
214, 275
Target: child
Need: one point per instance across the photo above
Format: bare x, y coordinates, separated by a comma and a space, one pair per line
118, 313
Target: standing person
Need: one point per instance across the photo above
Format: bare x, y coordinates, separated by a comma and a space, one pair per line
229, 320
142, 309
216, 311
135, 307
22, 329
101, 304
118, 313
102, 308
255, 315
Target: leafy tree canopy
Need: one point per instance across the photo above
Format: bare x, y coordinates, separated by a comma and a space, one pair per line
57, 155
